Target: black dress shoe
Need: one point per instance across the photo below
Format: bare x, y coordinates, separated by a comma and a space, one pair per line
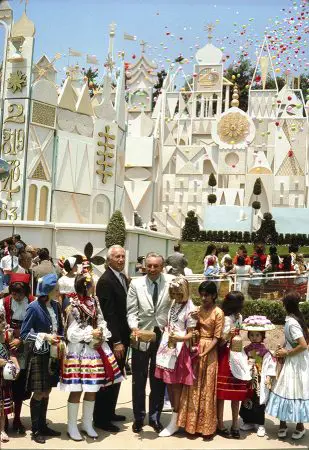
46, 431
224, 432
137, 426
118, 418
235, 433
38, 438
19, 428
108, 426
156, 425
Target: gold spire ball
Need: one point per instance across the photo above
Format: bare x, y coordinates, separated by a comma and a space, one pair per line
235, 96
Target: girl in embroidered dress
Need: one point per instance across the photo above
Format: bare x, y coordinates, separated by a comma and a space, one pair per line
173, 356
6, 396
233, 370
89, 363
289, 400
263, 372
15, 306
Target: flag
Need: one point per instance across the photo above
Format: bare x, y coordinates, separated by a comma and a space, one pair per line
129, 37
92, 59
74, 52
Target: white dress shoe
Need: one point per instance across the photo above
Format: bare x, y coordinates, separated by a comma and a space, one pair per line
261, 431
171, 428
298, 434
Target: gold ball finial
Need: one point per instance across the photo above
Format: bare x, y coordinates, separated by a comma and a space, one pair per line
235, 96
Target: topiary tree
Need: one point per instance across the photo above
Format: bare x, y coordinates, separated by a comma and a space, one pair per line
256, 204
212, 198
191, 229
257, 189
116, 230
212, 182
267, 233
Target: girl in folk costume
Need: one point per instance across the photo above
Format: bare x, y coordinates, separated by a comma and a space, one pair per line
9, 369
89, 363
263, 372
233, 370
197, 412
289, 400
43, 327
173, 356
67, 282
15, 306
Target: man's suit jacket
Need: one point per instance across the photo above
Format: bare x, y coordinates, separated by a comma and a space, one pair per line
140, 309
112, 298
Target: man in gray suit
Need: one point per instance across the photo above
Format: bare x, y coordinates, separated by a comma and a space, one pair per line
148, 304
177, 261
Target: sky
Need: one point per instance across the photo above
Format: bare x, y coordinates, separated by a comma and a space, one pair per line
170, 28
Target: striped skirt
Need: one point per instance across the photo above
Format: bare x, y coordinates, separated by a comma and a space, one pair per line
6, 398
229, 387
84, 370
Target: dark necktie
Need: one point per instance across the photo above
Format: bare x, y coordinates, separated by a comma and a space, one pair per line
155, 294
123, 282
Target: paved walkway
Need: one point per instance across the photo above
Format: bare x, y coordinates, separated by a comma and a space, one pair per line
148, 439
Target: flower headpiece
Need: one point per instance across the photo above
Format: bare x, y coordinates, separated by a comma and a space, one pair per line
257, 323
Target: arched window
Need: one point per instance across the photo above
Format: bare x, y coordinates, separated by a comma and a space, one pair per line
101, 209
43, 203
32, 198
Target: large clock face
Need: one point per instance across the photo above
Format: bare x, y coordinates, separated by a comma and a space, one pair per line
208, 77
233, 128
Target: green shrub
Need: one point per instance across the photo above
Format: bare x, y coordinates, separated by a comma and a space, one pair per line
191, 229
202, 236
212, 198
116, 230
256, 204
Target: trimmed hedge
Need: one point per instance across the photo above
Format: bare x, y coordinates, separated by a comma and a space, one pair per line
272, 309
246, 237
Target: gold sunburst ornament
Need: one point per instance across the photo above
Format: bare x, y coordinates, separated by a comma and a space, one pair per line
17, 81
233, 128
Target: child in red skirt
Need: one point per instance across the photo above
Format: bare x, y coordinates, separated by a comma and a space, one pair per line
233, 368
6, 396
173, 364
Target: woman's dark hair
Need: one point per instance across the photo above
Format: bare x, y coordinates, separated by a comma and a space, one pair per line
233, 303
81, 285
272, 250
257, 263
293, 248
209, 250
43, 254
240, 261
263, 333
19, 288
274, 259
286, 263
208, 287
291, 303
225, 249
67, 266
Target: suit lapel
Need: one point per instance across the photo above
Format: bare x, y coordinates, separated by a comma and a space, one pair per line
114, 277
162, 287
147, 291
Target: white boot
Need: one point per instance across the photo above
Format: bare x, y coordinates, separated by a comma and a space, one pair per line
73, 431
87, 427
172, 427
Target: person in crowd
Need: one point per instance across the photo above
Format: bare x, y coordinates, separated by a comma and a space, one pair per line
152, 225
228, 266
15, 305
226, 254
4, 246
272, 251
300, 265
173, 363
138, 221
242, 270
140, 266
263, 372
148, 304
229, 387
7, 357
293, 250
258, 259
45, 265
213, 268
19, 244
287, 263
242, 251
177, 261
273, 264
197, 412
9, 263
289, 400
88, 362
210, 254
111, 291
43, 327
67, 282
25, 262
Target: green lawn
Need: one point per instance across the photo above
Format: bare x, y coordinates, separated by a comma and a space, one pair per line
195, 251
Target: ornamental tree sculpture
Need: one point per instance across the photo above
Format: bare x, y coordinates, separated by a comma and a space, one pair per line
212, 182
116, 230
267, 233
257, 189
191, 229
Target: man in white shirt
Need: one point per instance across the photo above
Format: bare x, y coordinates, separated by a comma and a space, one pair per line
10, 262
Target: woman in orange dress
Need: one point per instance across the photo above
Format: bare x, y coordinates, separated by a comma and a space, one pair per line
198, 405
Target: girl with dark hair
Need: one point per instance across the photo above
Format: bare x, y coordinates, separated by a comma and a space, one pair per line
233, 369
66, 282
15, 306
88, 363
197, 413
289, 400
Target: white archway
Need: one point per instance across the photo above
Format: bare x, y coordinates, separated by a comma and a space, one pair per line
101, 209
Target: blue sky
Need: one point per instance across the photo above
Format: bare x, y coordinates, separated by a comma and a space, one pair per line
170, 27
